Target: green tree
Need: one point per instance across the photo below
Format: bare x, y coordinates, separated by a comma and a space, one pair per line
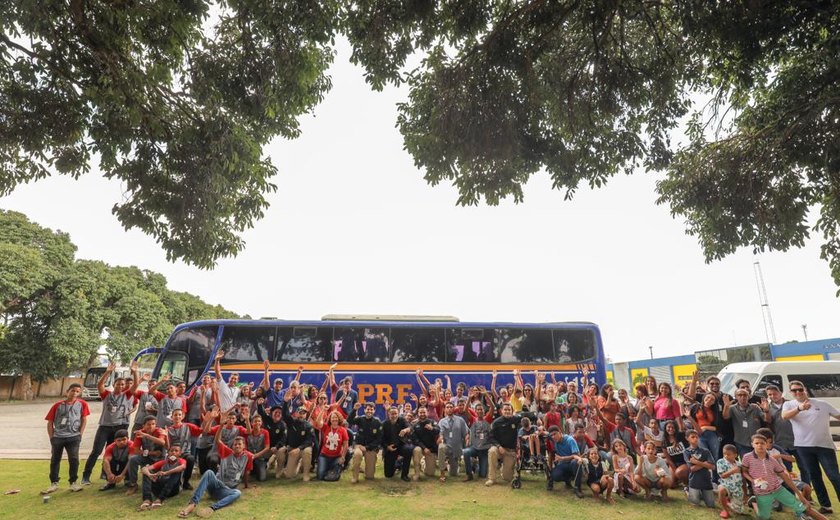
581, 90
58, 312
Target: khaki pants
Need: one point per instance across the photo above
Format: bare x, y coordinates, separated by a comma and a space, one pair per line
444, 456
508, 462
370, 462
279, 461
430, 462
295, 456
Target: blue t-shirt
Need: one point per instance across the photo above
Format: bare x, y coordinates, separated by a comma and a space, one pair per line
274, 398
702, 478
352, 399
566, 446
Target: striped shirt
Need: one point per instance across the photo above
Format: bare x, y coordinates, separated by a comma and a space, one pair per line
764, 473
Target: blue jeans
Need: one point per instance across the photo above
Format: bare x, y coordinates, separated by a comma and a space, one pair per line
813, 457
325, 464
710, 441
469, 453
566, 472
223, 495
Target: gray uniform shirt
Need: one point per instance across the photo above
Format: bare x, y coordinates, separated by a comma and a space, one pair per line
232, 468
68, 420
454, 431
116, 409
745, 422
480, 435
782, 429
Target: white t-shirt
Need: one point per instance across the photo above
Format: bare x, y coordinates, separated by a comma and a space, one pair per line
811, 427
227, 395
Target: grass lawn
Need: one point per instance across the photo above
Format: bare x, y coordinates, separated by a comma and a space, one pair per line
379, 499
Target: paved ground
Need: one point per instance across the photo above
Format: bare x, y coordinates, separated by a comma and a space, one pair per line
24, 431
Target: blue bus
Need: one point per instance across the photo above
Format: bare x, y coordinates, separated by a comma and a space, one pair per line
382, 353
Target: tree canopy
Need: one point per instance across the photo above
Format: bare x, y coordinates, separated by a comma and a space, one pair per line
58, 311
177, 99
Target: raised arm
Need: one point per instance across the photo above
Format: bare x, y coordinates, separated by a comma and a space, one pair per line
517, 380
493, 386
299, 372
217, 366
266, 383
100, 385
448, 382
540, 378
135, 377
692, 386
420, 382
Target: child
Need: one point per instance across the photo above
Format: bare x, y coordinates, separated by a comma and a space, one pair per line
529, 441
573, 419
653, 472
767, 475
731, 489
700, 468
786, 460
597, 480
623, 466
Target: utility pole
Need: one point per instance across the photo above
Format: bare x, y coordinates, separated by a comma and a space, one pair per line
769, 331
805, 330
651, 351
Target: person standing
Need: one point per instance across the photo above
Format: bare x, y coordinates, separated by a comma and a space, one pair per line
66, 422
116, 407
812, 439
782, 429
745, 417
228, 391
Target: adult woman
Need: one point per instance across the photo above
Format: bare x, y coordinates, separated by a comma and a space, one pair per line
705, 417
607, 403
665, 407
334, 442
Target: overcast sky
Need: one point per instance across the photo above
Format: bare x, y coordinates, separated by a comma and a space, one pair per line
354, 228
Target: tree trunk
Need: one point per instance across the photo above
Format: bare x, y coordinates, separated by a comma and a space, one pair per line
23, 390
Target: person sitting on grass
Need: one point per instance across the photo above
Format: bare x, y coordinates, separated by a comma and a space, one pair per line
653, 473
731, 490
115, 460
235, 466
66, 422
162, 479
767, 475
599, 482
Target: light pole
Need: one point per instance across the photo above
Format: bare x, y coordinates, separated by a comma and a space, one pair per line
651, 351
805, 330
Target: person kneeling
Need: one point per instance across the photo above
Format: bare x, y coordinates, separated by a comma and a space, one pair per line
162, 479
235, 466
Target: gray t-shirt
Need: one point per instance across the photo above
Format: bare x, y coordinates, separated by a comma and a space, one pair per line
116, 408
67, 418
811, 427
782, 429
745, 422
480, 435
232, 469
453, 432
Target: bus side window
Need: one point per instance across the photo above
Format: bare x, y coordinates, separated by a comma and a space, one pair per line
470, 345
247, 343
768, 380
418, 345
308, 344
524, 346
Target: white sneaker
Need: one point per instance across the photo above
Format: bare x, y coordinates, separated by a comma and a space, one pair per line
75, 486
489, 483
52, 489
354, 480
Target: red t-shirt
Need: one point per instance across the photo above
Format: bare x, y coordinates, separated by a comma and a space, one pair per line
137, 443
109, 450
552, 419
225, 452
332, 440
159, 464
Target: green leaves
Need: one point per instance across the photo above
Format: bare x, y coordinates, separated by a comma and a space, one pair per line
60, 311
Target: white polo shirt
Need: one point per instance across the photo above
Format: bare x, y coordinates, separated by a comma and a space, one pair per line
811, 427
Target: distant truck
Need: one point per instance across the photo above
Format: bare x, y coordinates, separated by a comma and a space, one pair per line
821, 379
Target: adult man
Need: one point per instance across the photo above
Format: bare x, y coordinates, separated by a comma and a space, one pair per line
115, 460
745, 418
298, 442
566, 460
782, 429
116, 407
235, 467
273, 393
162, 479
228, 392
182, 433
812, 439
346, 389
273, 422
396, 440
479, 443
503, 438
367, 442
149, 447
66, 422
425, 434
454, 436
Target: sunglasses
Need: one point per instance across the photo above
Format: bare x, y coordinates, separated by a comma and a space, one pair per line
797, 390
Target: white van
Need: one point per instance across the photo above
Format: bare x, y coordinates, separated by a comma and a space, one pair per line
821, 378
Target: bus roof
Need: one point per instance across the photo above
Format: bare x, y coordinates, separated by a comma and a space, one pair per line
375, 324
386, 317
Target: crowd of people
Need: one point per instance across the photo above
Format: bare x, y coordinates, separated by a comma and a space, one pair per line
731, 453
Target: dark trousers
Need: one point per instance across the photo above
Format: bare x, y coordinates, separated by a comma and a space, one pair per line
201, 455
566, 472
389, 459
117, 466
260, 471
813, 457
190, 465
58, 446
104, 437
162, 488
800, 464
135, 462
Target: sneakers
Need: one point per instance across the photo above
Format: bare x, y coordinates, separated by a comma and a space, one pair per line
130, 490
468, 478
489, 483
825, 511
76, 487
578, 493
52, 489
406, 478
549, 485
108, 486
354, 480
85, 481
